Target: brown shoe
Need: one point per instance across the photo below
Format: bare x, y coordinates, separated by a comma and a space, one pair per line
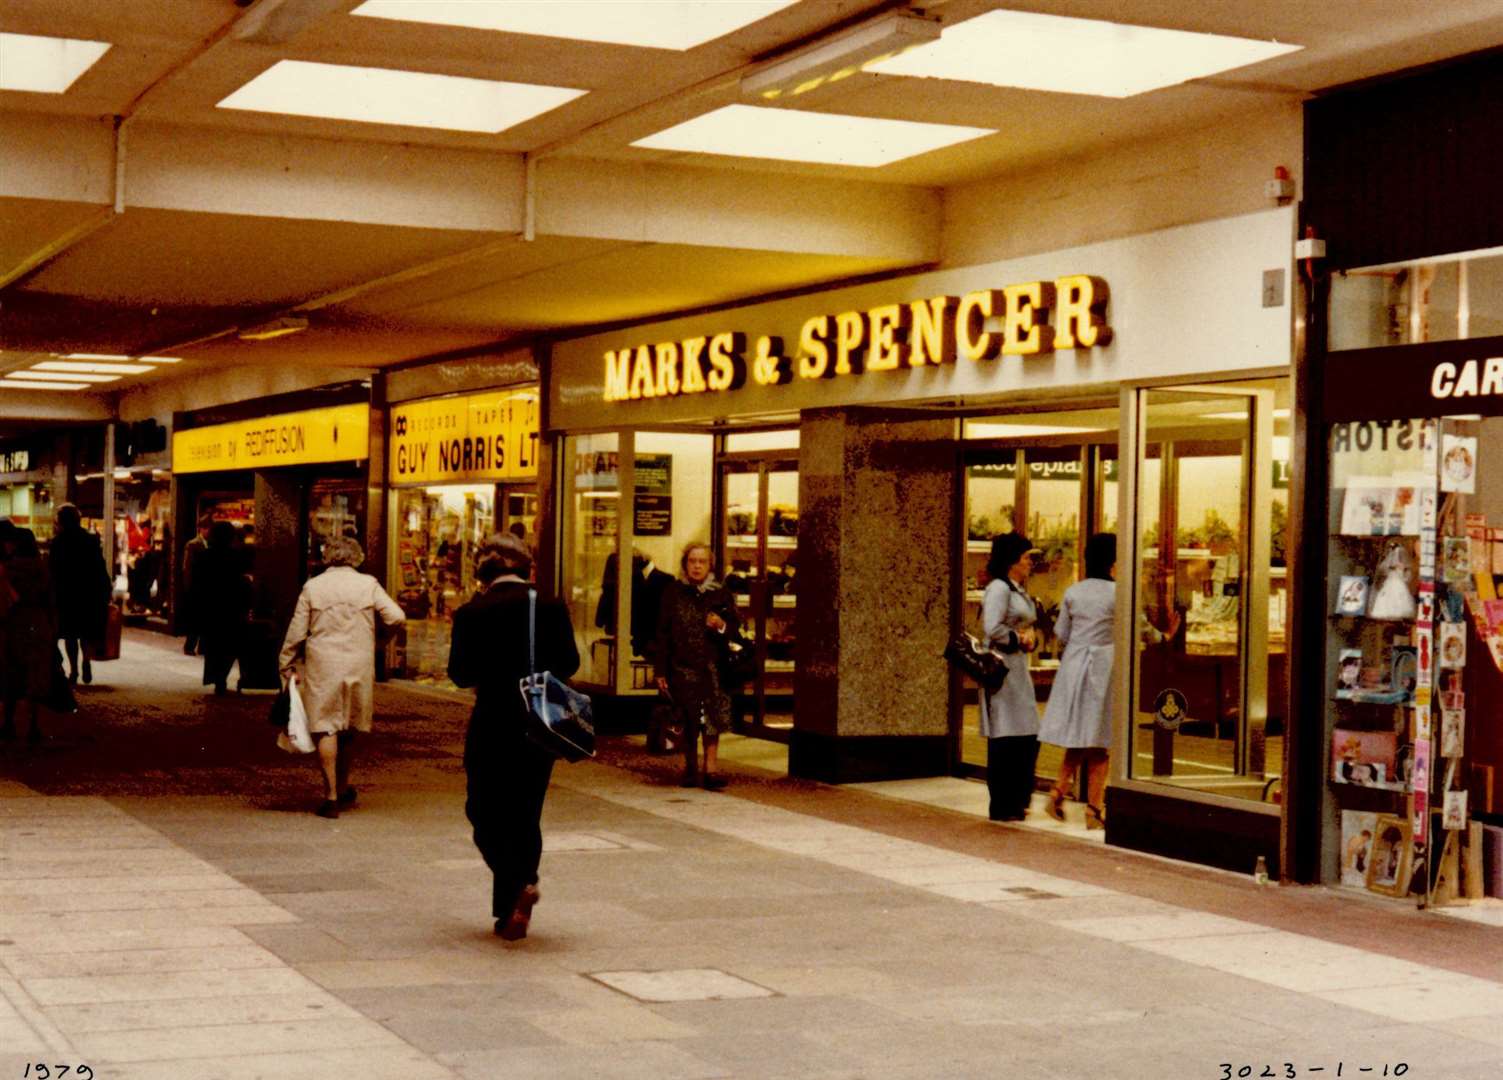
1094, 818
1056, 807
515, 926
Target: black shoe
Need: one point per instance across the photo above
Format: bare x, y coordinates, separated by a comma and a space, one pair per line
348, 796
688, 780
714, 782
328, 809
88, 673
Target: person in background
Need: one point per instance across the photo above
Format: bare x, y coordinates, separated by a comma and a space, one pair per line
28, 638
82, 588
506, 773
697, 616
222, 598
333, 634
1010, 716
192, 551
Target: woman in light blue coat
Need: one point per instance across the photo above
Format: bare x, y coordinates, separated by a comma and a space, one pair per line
1079, 714
1010, 716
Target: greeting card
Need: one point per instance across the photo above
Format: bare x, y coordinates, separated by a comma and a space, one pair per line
1351, 595
1452, 645
1452, 733
1458, 463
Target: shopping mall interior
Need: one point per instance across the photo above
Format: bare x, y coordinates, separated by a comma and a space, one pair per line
853, 295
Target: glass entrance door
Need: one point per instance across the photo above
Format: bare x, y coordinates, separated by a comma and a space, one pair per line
1200, 588
758, 552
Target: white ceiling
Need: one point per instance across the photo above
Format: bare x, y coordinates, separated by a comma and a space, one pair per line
225, 221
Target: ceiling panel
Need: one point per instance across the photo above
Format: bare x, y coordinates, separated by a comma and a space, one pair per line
176, 257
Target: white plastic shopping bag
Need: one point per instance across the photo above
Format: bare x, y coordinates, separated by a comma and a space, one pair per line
296, 739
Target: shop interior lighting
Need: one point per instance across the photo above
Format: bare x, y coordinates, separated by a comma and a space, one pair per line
45, 65
657, 24
994, 430
1075, 56
160, 359
839, 57
1278, 414
53, 376
90, 367
95, 356
384, 96
279, 327
20, 385
821, 138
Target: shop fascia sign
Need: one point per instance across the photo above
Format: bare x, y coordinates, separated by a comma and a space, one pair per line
15, 461
1036, 318
475, 437
310, 437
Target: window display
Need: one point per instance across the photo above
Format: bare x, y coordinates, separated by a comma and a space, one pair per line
1413, 508
436, 531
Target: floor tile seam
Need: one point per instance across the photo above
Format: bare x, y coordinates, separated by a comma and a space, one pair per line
32, 1014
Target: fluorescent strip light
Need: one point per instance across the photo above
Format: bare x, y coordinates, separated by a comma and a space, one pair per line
160, 359
92, 368
657, 24
1278, 414
991, 430
275, 328
822, 138
52, 376
383, 96
93, 356
840, 56
1075, 56
18, 385
45, 65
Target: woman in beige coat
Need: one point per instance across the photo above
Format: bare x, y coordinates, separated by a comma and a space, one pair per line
333, 630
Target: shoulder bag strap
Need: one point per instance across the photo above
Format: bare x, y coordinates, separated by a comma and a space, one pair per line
532, 629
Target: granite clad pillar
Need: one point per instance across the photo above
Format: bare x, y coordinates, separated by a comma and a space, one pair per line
876, 559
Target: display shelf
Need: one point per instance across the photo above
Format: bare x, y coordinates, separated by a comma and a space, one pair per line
774, 543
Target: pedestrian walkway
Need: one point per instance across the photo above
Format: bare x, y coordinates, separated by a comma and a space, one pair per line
169, 912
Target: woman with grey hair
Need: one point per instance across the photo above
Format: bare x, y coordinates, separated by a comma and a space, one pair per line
333, 634
506, 772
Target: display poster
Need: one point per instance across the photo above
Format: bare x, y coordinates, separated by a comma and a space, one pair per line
466, 439
652, 503
311, 437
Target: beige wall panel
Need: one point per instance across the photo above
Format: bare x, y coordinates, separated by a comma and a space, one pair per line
1195, 176
57, 158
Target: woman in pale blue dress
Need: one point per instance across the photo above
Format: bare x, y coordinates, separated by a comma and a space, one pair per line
1078, 716
1010, 716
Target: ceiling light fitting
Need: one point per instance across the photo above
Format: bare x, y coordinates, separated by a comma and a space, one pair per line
839, 57
274, 328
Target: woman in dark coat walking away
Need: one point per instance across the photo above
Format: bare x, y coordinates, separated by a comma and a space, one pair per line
506, 772
82, 587
28, 642
696, 625
221, 594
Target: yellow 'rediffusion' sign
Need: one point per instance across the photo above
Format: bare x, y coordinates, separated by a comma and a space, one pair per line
313, 437
478, 437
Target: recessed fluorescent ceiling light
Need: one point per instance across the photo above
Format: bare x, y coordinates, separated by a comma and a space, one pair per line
384, 96
94, 356
91, 368
17, 384
160, 359
45, 65
658, 24
824, 138
1075, 56
52, 376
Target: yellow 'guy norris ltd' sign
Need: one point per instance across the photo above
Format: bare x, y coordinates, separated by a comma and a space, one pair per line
477, 437
312, 437
1036, 317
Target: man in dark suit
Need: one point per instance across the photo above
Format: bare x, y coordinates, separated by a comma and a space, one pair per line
507, 774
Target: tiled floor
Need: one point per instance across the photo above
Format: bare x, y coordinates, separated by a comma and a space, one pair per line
203, 925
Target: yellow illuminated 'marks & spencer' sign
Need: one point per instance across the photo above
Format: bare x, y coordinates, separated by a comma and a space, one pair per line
1036, 317
476, 437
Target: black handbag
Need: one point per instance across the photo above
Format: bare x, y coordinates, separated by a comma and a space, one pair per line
737, 659
281, 709
979, 662
558, 716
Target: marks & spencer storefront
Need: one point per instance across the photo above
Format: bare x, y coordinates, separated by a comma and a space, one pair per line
849, 456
